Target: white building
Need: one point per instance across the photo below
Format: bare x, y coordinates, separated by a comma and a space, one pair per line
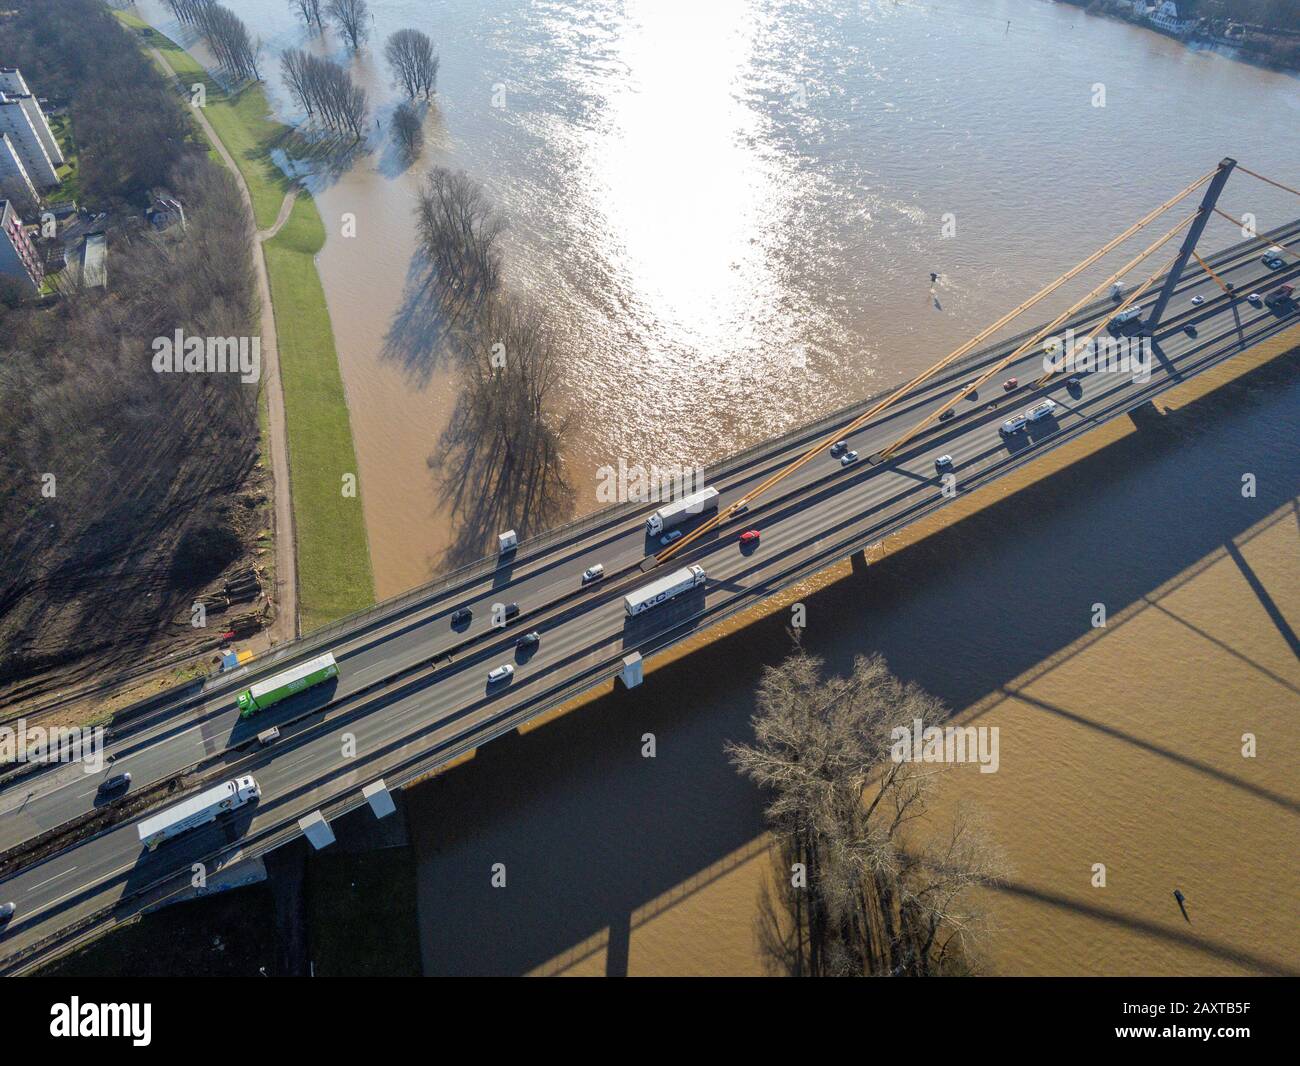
15, 182
1166, 19
19, 258
15, 121
14, 87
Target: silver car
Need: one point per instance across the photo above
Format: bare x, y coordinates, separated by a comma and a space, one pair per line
501, 673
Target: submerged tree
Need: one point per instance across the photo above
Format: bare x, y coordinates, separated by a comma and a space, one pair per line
408, 130
499, 464
352, 18
875, 898
414, 62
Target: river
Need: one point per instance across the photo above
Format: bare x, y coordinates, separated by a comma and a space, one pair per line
730, 212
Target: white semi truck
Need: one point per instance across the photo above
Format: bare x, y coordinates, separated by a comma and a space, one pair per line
680, 510
665, 588
197, 810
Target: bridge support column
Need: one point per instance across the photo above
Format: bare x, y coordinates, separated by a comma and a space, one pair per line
1189, 243
317, 830
631, 674
379, 798
858, 560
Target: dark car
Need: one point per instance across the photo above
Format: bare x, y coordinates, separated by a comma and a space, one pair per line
6, 912
512, 609
946, 415
1011, 384
459, 618
529, 640
116, 783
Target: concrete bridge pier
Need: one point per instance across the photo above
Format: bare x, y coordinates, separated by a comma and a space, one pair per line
632, 672
317, 830
858, 560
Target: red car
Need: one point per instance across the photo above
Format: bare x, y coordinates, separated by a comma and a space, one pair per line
1011, 383
750, 536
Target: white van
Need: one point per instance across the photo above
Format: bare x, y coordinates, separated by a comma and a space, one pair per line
1040, 411
1012, 425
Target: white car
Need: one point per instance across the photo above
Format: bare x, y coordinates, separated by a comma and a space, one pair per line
1040, 411
848, 458
670, 536
1197, 301
944, 462
593, 573
501, 673
1255, 298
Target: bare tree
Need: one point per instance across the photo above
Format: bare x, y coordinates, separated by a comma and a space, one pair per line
408, 130
325, 91
459, 231
415, 64
229, 40
310, 13
880, 899
352, 17
499, 463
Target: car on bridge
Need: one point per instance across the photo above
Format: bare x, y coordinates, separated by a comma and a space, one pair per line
461, 617
945, 415
1198, 300
848, 458
838, 448
501, 673
529, 640
670, 536
944, 462
1274, 258
1255, 299
6, 912
750, 536
1011, 384
115, 783
593, 573
1012, 425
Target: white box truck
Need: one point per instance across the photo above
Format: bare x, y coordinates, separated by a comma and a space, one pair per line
679, 510
197, 810
665, 588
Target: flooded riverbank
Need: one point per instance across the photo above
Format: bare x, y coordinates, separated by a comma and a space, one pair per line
731, 211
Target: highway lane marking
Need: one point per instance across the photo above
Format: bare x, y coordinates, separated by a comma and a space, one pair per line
48, 880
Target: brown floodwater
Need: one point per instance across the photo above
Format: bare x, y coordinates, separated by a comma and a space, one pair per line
730, 212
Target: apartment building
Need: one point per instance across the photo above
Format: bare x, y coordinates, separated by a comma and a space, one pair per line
19, 258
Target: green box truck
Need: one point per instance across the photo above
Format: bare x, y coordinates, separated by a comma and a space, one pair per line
274, 689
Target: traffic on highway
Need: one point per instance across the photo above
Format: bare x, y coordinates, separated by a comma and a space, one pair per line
437, 676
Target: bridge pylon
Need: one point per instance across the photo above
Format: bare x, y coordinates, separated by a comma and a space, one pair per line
1203, 214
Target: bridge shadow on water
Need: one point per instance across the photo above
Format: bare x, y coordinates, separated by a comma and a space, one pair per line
589, 831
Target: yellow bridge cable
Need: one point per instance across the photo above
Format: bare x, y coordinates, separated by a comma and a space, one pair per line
1269, 181
925, 376
997, 368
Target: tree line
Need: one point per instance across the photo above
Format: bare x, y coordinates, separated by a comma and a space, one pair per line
325, 91
234, 48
